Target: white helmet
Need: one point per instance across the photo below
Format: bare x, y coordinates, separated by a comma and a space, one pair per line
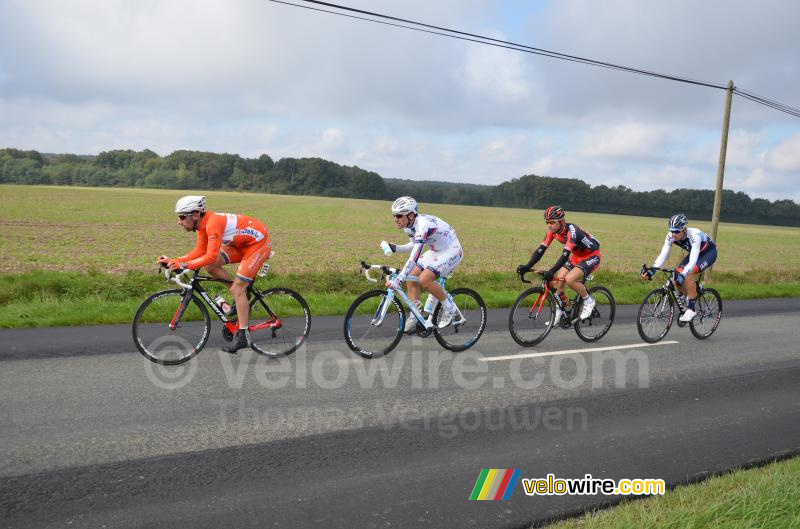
405, 205
190, 203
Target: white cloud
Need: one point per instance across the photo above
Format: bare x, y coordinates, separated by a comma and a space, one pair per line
786, 155
626, 140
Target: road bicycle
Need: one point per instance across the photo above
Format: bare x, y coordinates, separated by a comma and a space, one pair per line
172, 326
375, 321
658, 309
533, 313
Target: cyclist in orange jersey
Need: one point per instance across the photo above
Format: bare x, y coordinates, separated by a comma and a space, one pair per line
224, 238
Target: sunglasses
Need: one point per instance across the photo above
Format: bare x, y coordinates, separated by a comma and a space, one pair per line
551, 222
182, 216
399, 215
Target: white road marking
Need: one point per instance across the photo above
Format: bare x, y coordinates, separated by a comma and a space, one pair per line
575, 351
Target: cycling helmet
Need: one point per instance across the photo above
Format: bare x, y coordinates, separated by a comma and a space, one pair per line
554, 213
678, 222
405, 205
190, 203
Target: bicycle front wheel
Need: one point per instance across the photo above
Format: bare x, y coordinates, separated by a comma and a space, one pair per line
599, 322
365, 332
468, 323
279, 321
709, 313
531, 317
171, 327
655, 316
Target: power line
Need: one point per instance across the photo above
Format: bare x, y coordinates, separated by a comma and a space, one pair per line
489, 41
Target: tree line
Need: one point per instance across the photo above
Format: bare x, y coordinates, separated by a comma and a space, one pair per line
314, 176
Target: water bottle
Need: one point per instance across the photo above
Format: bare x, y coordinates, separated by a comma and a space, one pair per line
222, 304
387, 250
430, 304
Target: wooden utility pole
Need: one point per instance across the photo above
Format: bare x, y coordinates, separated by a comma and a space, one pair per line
723, 150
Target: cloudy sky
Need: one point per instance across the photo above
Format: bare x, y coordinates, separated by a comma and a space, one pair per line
254, 76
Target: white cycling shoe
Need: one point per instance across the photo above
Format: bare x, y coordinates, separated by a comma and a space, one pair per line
687, 316
588, 307
447, 317
411, 323
557, 318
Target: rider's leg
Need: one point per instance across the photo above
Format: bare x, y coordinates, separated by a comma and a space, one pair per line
560, 282
242, 337
574, 281
412, 287
239, 291
427, 280
216, 268
690, 286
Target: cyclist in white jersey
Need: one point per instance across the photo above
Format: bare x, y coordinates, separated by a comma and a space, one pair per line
702, 254
443, 256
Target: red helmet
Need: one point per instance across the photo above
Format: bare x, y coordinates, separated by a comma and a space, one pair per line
554, 213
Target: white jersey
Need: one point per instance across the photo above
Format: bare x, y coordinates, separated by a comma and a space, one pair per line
695, 242
433, 231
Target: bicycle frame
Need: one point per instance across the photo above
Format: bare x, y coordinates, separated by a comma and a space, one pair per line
670, 288
392, 273
194, 285
547, 288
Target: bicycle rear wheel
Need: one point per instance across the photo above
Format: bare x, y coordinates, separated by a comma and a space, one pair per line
709, 314
599, 322
368, 337
279, 322
655, 316
531, 317
468, 323
171, 327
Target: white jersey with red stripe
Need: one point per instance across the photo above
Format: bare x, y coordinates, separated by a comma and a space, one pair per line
433, 231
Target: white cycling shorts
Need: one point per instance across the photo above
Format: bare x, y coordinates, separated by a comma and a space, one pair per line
443, 262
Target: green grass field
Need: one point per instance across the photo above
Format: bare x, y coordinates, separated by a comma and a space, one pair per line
743, 499
79, 255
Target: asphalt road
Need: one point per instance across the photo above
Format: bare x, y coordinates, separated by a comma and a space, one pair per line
94, 435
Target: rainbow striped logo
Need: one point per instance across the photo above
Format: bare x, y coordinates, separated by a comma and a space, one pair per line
495, 484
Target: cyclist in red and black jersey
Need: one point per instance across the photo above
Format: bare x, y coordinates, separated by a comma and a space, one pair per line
581, 257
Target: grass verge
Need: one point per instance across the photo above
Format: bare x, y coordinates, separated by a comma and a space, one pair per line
742, 499
44, 299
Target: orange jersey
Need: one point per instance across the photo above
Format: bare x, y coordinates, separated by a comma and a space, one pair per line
216, 229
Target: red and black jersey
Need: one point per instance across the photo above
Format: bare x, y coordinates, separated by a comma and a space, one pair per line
580, 243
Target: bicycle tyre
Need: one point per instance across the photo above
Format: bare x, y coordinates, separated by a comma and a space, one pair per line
366, 339
651, 311
293, 312
473, 310
706, 311
581, 326
187, 339
521, 317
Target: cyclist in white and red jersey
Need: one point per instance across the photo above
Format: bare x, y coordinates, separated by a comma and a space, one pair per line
440, 260
702, 254
224, 238
580, 258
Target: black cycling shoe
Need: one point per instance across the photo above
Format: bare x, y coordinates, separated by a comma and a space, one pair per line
240, 340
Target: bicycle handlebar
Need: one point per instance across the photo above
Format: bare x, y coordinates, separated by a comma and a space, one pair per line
385, 270
176, 278
540, 272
